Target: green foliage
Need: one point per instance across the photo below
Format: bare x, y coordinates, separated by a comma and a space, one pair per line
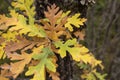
33, 46
65, 47
45, 62
22, 24
93, 75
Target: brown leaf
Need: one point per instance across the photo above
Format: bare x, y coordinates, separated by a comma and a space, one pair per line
5, 66
5, 73
1, 40
3, 78
6, 22
54, 29
53, 14
80, 34
22, 43
55, 76
18, 67
33, 63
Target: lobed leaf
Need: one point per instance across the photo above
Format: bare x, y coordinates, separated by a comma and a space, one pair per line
45, 63
74, 51
74, 20
78, 53
22, 60
24, 28
6, 22
54, 23
27, 6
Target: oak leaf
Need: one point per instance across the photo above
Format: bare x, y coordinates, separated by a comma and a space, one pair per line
45, 63
64, 46
55, 76
24, 28
26, 6
26, 25
67, 46
3, 78
21, 43
23, 59
9, 36
78, 53
74, 20
80, 34
6, 22
54, 25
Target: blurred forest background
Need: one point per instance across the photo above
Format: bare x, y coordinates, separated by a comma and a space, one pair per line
102, 33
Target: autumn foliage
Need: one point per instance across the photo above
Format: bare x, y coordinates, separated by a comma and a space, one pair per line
30, 46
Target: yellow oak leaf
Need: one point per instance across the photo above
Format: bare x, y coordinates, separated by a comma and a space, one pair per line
28, 7
10, 36
64, 46
74, 20
77, 53
24, 28
80, 54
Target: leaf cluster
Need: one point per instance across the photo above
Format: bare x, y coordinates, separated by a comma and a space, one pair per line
31, 47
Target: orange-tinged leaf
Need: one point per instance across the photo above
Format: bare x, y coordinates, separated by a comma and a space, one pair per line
25, 59
55, 76
80, 34
6, 22
1, 40
5, 72
5, 66
21, 44
3, 78
53, 15
54, 29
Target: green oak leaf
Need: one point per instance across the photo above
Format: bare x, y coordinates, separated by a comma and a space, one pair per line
45, 63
